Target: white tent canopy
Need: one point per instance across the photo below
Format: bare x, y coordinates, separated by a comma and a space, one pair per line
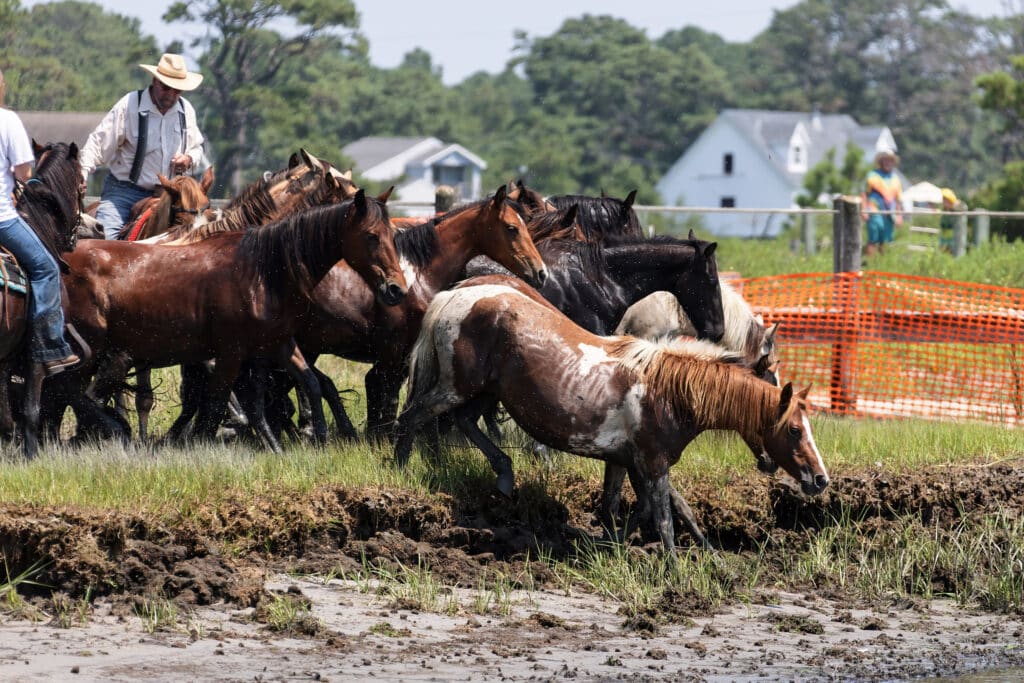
922, 193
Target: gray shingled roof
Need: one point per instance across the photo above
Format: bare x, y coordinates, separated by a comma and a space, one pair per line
60, 126
369, 151
771, 131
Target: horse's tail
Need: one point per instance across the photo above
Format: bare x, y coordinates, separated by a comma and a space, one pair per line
424, 367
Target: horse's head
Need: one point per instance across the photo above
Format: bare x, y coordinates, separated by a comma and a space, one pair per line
309, 181
56, 190
556, 225
789, 443
507, 239
370, 247
533, 202
699, 292
767, 365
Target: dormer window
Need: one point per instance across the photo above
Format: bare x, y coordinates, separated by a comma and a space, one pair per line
798, 156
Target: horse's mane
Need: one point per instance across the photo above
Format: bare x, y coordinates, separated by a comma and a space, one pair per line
601, 217
293, 248
418, 244
547, 226
48, 202
743, 331
592, 256
462, 208
704, 381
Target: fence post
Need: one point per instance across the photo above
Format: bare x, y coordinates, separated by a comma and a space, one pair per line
960, 236
846, 260
807, 231
980, 228
846, 231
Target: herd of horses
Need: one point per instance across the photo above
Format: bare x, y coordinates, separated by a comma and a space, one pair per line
595, 339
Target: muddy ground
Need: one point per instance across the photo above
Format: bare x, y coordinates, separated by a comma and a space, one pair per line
221, 568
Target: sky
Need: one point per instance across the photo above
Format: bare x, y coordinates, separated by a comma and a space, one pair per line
465, 36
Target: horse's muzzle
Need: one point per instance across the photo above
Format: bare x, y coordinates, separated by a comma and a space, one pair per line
814, 486
391, 293
538, 276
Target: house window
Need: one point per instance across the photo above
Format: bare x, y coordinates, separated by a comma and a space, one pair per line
727, 164
797, 156
727, 202
449, 175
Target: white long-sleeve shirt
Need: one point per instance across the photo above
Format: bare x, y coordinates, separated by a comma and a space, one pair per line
113, 141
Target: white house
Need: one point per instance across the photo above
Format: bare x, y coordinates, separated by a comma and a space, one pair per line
417, 165
751, 158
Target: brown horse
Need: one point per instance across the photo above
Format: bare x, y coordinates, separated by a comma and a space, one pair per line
346, 321
175, 202
616, 399
236, 295
51, 204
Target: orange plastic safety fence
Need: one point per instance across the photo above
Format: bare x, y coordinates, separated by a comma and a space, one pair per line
888, 345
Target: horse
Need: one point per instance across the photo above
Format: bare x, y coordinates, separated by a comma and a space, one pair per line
345, 320
617, 399
660, 315
306, 182
237, 294
177, 201
51, 204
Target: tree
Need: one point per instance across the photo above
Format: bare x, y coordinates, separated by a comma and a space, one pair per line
74, 56
825, 177
243, 59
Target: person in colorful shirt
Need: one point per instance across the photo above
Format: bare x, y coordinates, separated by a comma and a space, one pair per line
947, 224
148, 132
882, 201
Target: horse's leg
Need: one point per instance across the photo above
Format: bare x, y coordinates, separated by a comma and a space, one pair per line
658, 490
500, 462
7, 425
215, 396
611, 499
419, 410
34, 376
143, 399
193, 377
342, 423
383, 384
253, 381
308, 385
682, 508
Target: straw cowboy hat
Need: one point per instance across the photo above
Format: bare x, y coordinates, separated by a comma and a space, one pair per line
886, 152
171, 72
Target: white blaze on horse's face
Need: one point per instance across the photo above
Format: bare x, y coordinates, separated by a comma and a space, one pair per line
814, 446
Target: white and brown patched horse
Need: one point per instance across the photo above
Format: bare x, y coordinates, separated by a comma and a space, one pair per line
622, 400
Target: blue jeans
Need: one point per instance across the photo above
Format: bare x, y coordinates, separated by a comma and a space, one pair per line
116, 202
47, 341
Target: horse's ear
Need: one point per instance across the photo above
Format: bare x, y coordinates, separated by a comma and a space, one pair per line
164, 181
309, 159
37, 149
347, 175
499, 197
570, 215
769, 334
207, 181
785, 398
385, 195
709, 250
520, 184
359, 203
805, 392
630, 198
293, 160
692, 236
73, 150
604, 195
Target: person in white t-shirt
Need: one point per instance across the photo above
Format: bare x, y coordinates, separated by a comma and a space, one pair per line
47, 344
148, 132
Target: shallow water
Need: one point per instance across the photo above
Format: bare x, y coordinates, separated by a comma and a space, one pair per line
991, 676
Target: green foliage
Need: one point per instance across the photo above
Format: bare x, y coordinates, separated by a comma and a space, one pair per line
827, 178
43, 58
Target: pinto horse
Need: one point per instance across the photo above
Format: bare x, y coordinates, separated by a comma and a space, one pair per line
616, 399
236, 295
51, 204
346, 321
175, 202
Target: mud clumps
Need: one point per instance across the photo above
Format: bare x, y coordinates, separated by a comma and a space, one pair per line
221, 553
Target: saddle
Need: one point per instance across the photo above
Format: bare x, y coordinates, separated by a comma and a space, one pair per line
12, 277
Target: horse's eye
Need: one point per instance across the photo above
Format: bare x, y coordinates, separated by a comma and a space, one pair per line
794, 431
373, 239
511, 228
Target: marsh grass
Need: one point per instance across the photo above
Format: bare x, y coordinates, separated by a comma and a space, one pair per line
288, 613
157, 613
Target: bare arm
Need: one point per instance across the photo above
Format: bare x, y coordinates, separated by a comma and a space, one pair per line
22, 172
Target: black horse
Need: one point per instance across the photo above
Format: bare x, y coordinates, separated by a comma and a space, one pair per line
601, 217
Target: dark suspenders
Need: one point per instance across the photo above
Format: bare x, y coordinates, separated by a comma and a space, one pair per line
140, 144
